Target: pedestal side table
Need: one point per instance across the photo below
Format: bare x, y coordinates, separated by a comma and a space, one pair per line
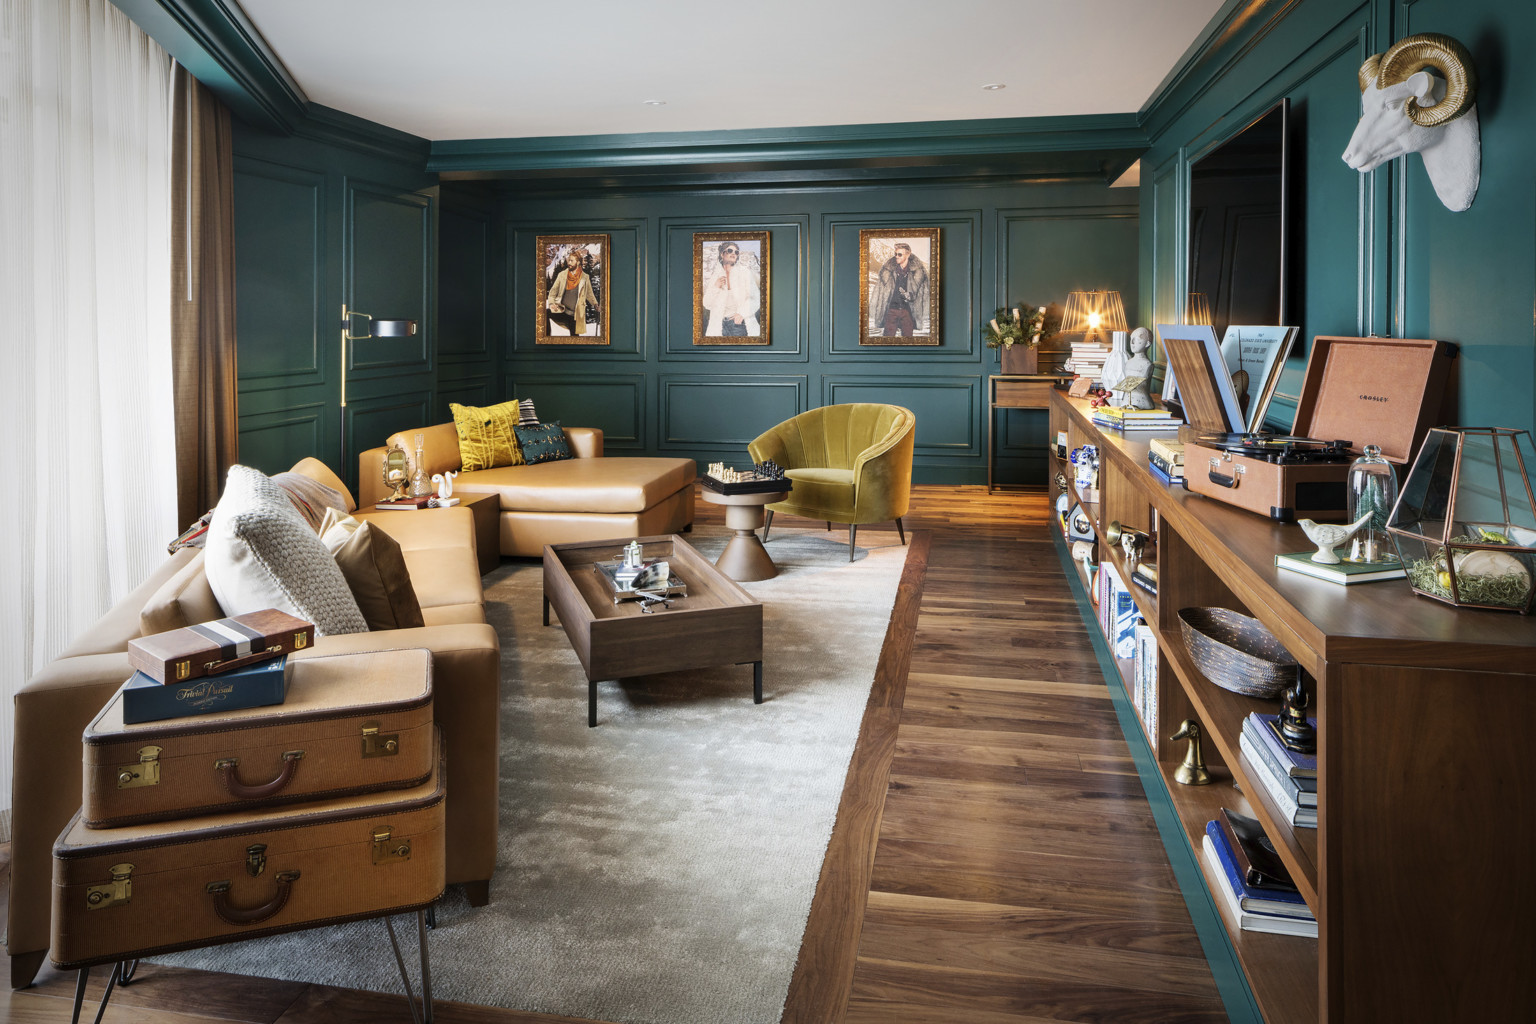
744, 558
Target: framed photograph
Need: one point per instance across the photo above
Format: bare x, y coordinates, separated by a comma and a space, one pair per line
730, 288
1198, 378
572, 290
899, 270
1261, 352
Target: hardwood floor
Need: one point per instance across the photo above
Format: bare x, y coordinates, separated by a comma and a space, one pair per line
994, 862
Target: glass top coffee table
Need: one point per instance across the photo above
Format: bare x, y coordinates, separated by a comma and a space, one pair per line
716, 622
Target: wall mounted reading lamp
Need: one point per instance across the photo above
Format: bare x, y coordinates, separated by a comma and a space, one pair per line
377, 328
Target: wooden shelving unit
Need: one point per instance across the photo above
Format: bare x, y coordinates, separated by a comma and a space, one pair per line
1425, 804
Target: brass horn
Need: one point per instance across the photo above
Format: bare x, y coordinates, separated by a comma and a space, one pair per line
1415, 53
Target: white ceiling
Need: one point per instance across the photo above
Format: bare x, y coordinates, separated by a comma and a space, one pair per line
486, 69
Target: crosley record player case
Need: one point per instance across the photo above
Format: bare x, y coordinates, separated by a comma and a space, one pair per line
1381, 391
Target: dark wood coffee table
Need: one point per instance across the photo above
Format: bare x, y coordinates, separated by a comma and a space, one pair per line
716, 623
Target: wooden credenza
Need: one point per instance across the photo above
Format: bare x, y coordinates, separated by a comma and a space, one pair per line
1422, 872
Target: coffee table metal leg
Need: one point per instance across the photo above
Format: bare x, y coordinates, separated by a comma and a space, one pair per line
757, 682
591, 703
546, 611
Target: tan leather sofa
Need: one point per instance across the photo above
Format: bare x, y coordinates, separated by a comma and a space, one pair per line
582, 499
56, 704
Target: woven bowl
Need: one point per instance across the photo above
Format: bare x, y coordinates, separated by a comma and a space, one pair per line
1236, 653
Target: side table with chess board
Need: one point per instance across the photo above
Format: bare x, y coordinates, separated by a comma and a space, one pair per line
744, 494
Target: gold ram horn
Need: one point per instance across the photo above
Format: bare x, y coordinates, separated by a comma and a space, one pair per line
1445, 55
1369, 71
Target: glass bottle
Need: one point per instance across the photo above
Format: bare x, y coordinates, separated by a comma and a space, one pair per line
1372, 487
420, 485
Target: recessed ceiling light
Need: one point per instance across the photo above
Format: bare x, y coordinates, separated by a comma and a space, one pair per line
994, 86
654, 103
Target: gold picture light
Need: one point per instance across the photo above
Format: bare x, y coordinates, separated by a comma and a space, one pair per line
378, 327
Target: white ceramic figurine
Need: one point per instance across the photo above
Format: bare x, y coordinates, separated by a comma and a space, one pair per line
444, 483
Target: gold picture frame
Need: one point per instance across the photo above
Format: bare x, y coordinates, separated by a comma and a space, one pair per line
899, 297
730, 305
563, 319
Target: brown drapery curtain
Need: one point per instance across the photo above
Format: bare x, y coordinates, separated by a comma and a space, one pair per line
202, 295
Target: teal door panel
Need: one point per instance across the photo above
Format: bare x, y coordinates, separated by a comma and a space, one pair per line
371, 421
464, 286
1050, 254
946, 408
280, 274
680, 261
273, 442
614, 403
388, 263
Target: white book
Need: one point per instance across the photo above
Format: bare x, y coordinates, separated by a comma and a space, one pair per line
1248, 920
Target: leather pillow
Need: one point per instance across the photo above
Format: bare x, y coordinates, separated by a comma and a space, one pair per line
486, 437
543, 443
375, 570
261, 554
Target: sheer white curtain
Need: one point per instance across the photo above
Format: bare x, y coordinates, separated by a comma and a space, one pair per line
88, 449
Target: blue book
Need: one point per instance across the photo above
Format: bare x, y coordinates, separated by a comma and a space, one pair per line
1299, 766
1157, 471
146, 699
1251, 900
1302, 790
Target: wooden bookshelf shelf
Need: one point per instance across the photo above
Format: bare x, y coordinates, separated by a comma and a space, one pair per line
1423, 718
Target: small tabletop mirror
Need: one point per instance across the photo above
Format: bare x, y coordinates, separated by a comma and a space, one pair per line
397, 471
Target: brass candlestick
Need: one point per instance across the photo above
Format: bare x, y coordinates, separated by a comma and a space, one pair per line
1192, 772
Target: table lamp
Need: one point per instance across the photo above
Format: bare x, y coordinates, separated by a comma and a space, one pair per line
1093, 314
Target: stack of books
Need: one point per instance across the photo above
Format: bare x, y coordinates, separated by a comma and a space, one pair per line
1166, 460
1087, 360
1251, 880
1135, 419
1289, 777
222, 665
1144, 676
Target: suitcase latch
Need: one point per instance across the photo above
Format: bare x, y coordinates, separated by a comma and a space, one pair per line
110, 894
255, 859
379, 745
146, 772
387, 850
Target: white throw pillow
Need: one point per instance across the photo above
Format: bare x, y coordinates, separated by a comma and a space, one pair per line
262, 554
336, 529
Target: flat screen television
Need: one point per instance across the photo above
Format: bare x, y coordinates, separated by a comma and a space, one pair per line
1238, 225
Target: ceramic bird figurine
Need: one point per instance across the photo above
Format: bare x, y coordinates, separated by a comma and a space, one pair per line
444, 483
1328, 536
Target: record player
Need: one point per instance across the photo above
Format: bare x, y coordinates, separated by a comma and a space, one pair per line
1357, 391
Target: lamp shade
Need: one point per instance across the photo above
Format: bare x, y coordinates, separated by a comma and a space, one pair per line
1198, 309
1465, 520
1093, 312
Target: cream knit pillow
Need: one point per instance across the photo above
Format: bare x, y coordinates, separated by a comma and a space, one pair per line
262, 554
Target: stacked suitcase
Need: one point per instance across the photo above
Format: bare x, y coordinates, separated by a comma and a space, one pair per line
226, 826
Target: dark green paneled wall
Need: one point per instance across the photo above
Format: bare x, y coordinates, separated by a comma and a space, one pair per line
653, 391
1377, 253
340, 212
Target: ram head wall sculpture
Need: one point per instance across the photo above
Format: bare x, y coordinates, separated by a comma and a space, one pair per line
1406, 109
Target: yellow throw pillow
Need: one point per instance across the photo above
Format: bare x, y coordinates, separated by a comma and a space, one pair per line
486, 437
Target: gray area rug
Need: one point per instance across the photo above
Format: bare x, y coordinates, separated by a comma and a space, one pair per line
660, 867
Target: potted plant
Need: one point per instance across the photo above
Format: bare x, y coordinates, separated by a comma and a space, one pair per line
1018, 332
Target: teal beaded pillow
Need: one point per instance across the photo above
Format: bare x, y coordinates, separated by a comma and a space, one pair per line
543, 443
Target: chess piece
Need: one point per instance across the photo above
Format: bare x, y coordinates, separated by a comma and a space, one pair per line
1192, 772
1328, 536
1295, 731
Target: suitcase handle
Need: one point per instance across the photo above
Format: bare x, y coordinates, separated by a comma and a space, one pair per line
229, 767
231, 914
1222, 480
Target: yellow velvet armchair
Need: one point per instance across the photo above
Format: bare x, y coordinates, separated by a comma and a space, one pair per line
847, 463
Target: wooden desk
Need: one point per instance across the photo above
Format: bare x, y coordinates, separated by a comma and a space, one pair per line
1011, 391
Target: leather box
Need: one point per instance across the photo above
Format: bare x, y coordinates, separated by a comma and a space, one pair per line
260, 685
209, 648
1381, 391
124, 893
351, 723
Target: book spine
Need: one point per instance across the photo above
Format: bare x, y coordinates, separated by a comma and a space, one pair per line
1297, 816
1277, 924
1299, 764
1277, 769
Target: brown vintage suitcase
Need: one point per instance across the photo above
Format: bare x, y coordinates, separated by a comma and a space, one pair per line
208, 648
1381, 391
124, 893
351, 723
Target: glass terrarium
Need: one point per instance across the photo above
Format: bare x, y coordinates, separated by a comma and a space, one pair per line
1465, 524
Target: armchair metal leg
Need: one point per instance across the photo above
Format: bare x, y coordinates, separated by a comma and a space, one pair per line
900, 532
852, 532
767, 523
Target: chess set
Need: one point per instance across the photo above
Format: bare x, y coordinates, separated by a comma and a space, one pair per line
763, 478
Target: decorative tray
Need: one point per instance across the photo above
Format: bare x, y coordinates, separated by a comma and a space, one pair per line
623, 589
